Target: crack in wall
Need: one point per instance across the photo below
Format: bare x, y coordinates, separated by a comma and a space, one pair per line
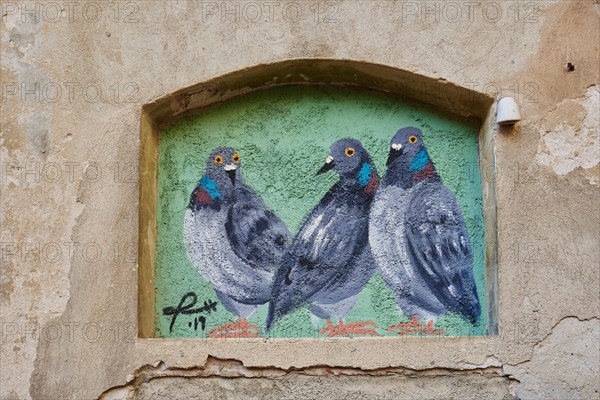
215, 367
562, 380
235, 369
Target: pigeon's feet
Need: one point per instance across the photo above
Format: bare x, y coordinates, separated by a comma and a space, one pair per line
234, 330
414, 327
353, 328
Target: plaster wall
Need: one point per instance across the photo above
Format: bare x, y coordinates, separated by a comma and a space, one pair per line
70, 190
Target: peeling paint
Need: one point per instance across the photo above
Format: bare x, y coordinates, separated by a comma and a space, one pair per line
569, 135
562, 363
232, 369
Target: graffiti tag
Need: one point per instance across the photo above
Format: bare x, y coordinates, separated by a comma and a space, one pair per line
186, 307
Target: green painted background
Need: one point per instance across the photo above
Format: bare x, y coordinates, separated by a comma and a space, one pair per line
283, 136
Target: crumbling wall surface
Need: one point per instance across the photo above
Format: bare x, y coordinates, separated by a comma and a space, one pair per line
313, 383
74, 78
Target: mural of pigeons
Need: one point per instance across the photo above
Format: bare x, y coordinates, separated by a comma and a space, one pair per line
329, 260
419, 239
233, 240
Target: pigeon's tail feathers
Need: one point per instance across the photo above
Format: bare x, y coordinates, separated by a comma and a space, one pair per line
470, 308
282, 299
465, 301
270, 318
473, 310
277, 309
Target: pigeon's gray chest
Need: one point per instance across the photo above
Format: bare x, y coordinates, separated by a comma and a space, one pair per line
387, 233
206, 241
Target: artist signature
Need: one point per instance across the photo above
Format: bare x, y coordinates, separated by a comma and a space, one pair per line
186, 307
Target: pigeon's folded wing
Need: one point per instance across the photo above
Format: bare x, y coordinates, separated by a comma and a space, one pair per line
440, 250
256, 234
332, 236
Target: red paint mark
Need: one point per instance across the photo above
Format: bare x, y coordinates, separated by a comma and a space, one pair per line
415, 327
203, 197
232, 330
352, 328
373, 183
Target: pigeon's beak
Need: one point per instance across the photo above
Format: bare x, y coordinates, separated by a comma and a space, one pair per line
230, 169
329, 163
396, 151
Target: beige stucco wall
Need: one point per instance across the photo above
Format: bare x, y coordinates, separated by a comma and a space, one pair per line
68, 313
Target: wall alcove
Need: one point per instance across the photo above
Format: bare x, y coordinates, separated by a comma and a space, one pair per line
282, 118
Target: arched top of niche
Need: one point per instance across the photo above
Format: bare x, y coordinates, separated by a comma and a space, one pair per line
434, 92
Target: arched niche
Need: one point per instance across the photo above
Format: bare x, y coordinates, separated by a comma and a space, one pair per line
436, 94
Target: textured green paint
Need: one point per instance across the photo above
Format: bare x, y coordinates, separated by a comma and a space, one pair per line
283, 136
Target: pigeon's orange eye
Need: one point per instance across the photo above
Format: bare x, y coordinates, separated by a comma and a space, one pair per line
218, 160
412, 139
350, 151
235, 157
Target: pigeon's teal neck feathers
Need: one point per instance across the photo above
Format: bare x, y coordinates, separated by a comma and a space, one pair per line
368, 178
211, 188
364, 175
419, 161
205, 194
421, 168
406, 172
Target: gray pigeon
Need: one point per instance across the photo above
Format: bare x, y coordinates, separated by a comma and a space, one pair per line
329, 261
418, 236
233, 239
